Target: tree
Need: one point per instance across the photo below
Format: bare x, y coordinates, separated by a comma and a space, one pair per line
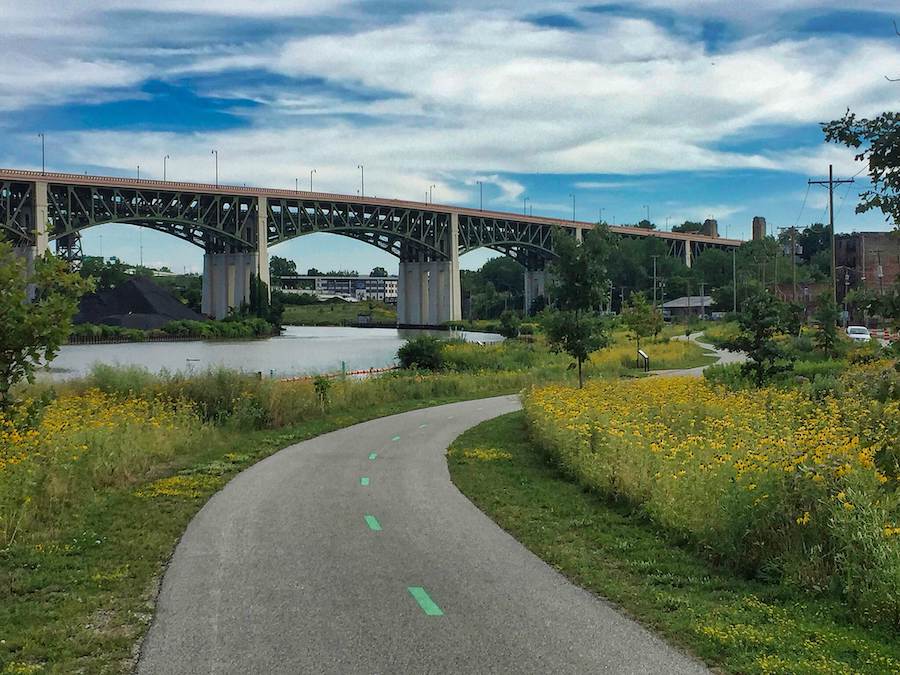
646, 225
760, 320
813, 239
578, 283
313, 272
106, 275
33, 332
378, 272
281, 267
878, 140
688, 226
641, 317
827, 316
509, 324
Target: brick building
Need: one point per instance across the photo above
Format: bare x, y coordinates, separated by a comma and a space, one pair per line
868, 258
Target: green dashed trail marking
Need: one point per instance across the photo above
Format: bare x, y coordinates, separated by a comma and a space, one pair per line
364, 481
425, 602
422, 426
373, 455
395, 438
373, 523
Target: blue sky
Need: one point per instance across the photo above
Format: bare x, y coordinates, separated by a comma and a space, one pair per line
693, 108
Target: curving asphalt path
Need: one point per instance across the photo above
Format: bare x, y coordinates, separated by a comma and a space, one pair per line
280, 572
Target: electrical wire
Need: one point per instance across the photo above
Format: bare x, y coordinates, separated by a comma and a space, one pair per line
802, 206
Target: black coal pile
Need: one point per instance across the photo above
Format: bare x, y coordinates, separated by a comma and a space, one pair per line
136, 303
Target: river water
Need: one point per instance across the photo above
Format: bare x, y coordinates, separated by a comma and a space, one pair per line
300, 350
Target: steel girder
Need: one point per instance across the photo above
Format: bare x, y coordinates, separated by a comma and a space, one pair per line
531, 244
217, 223
409, 234
16, 212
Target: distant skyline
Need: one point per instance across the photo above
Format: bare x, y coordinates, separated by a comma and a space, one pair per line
695, 108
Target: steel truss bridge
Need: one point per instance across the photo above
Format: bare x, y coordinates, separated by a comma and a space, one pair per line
37, 208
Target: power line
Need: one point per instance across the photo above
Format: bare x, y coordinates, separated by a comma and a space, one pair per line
803, 205
831, 182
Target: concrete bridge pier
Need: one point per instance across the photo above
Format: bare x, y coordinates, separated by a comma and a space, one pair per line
226, 276
39, 225
428, 291
535, 285
226, 282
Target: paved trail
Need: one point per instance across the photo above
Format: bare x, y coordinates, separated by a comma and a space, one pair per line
282, 572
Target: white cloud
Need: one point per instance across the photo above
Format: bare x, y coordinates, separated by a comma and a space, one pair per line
475, 90
510, 190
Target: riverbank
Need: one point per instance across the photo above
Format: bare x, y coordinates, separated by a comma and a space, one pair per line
229, 329
339, 314
612, 549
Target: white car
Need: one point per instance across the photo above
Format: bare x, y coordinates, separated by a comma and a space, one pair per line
858, 333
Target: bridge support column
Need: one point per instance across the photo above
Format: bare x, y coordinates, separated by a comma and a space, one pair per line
262, 243
428, 293
687, 253
226, 282
444, 302
40, 232
535, 285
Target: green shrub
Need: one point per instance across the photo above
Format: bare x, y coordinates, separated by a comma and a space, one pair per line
423, 352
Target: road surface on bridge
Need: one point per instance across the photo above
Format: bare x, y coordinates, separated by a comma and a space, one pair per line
300, 566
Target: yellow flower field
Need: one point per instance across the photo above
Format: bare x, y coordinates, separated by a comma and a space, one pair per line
53, 454
770, 481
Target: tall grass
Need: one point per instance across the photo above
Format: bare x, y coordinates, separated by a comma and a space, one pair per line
55, 454
620, 359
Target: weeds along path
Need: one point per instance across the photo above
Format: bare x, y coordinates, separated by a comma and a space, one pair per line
354, 553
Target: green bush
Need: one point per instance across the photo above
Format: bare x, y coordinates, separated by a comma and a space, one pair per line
423, 352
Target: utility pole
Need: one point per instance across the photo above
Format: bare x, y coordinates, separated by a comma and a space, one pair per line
524, 206
734, 280
480, 195
794, 261
654, 280
702, 299
831, 182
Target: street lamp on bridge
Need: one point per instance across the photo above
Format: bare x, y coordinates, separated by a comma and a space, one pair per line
480, 195
573, 207
430, 193
525, 205
165, 160
216, 153
42, 153
311, 172
362, 180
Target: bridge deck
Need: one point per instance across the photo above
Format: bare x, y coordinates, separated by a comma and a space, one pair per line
17, 175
